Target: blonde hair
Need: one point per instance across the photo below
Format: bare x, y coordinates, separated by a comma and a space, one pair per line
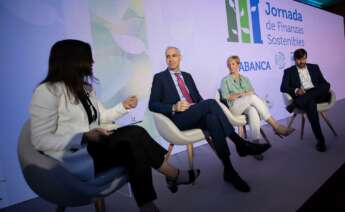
233, 57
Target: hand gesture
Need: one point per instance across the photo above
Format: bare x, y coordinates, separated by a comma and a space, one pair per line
130, 102
300, 92
181, 106
96, 134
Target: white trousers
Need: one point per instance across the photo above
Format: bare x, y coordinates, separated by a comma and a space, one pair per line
254, 108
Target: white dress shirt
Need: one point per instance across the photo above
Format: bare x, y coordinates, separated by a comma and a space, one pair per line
305, 78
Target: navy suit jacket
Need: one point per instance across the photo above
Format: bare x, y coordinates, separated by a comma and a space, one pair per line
291, 79
164, 93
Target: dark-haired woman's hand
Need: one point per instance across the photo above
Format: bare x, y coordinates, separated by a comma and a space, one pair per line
130, 102
96, 134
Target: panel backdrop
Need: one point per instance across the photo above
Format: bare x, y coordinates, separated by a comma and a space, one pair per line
129, 38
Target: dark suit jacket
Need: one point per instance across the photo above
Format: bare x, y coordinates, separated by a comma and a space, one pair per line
164, 92
291, 79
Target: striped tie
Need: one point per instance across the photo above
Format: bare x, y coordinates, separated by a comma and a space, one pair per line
183, 88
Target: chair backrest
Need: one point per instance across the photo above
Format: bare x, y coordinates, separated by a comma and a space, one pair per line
219, 97
28, 155
166, 128
333, 98
45, 176
234, 120
49, 179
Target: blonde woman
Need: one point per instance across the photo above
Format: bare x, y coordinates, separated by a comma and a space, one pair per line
237, 90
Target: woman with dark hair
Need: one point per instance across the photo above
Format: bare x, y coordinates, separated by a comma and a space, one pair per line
66, 124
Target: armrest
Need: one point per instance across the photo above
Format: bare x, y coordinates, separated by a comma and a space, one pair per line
234, 120
287, 99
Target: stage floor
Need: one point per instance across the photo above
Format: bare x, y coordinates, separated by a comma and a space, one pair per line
290, 173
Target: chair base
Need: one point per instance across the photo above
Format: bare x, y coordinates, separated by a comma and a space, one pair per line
323, 115
99, 206
190, 151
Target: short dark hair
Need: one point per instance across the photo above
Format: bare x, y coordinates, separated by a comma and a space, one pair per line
70, 62
299, 53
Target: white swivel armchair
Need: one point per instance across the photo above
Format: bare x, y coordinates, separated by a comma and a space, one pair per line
52, 182
172, 134
237, 121
321, 108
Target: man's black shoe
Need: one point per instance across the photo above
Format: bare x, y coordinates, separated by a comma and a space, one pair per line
259, 157
321, 146
233, 178
245, 148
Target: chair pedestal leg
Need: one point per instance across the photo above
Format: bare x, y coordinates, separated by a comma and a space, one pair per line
60, 209
323, 115
100, 205
292, 119
190, 155
264, 136
167, 155
302, 125
241, 131
210, 142
245, 132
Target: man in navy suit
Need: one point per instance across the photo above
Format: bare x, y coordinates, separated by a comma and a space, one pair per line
307, 86
175, 95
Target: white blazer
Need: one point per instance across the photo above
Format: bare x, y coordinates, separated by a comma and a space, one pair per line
58, 124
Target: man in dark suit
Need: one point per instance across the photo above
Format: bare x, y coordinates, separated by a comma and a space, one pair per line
175, 95
307, 86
